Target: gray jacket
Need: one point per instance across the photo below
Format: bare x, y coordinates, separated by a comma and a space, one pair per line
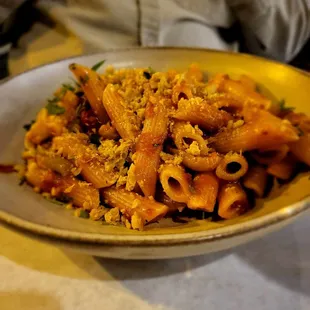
272, 28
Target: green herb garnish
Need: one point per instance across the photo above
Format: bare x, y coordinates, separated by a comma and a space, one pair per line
84, 214
97, 65
151, 70
28, 126
156, 144
148, 74
66, 86
75, 82
53, 108
283, 108
94, 139
54, 201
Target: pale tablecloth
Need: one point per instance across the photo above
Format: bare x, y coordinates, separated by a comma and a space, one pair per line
270, 273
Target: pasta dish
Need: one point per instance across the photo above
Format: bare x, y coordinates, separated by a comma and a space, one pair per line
131, 146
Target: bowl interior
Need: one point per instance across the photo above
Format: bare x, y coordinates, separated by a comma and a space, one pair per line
23, 96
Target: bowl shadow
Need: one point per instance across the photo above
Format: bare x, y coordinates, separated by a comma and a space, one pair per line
282, 256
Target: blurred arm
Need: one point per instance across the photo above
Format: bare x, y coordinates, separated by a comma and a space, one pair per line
272, 28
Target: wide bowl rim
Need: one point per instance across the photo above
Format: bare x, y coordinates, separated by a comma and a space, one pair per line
264, 221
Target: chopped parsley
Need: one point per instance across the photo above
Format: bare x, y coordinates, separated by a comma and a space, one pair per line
66, 86
28, 126
156, 144
52, 200
53, 108
283, 108
84, 214
94, 139
151, 70
148, 74
97, 65
75, 82
61, 200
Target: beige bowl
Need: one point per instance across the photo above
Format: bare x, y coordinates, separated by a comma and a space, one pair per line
24, 95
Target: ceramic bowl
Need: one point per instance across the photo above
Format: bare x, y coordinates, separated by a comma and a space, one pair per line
23, 96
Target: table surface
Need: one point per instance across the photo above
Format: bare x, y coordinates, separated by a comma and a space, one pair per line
269, 273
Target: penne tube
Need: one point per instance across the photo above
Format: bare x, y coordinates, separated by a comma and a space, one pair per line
83, 194
232, 167
198, 112
175, 182
121, 118
134, 206
106, 131
301, 149
202, 163
173, 206
74, 147
194, 74
271, 155
284, 169
93, 87
46, 126
55, 163
262, 132
232, 201
181, 91
300, 120
95, 173
247, 82
149, 146
42, 179
205, 187
244, 93
256, 180
185, 134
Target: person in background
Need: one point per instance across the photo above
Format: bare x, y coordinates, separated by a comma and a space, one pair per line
270, 28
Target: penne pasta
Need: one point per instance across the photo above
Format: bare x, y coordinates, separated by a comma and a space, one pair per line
198, 112
134, 206
75, 148
205, 187
284, 169
262, 132
181, 91
202, 163
149, 146
83, 194
55, 163
256, 180
93, 86
271, 155
232, 167
121, 118
242, 92
301, 149
247, 82
154, 144
175, 182
232, 201
173, 206
106, 131
189, 139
